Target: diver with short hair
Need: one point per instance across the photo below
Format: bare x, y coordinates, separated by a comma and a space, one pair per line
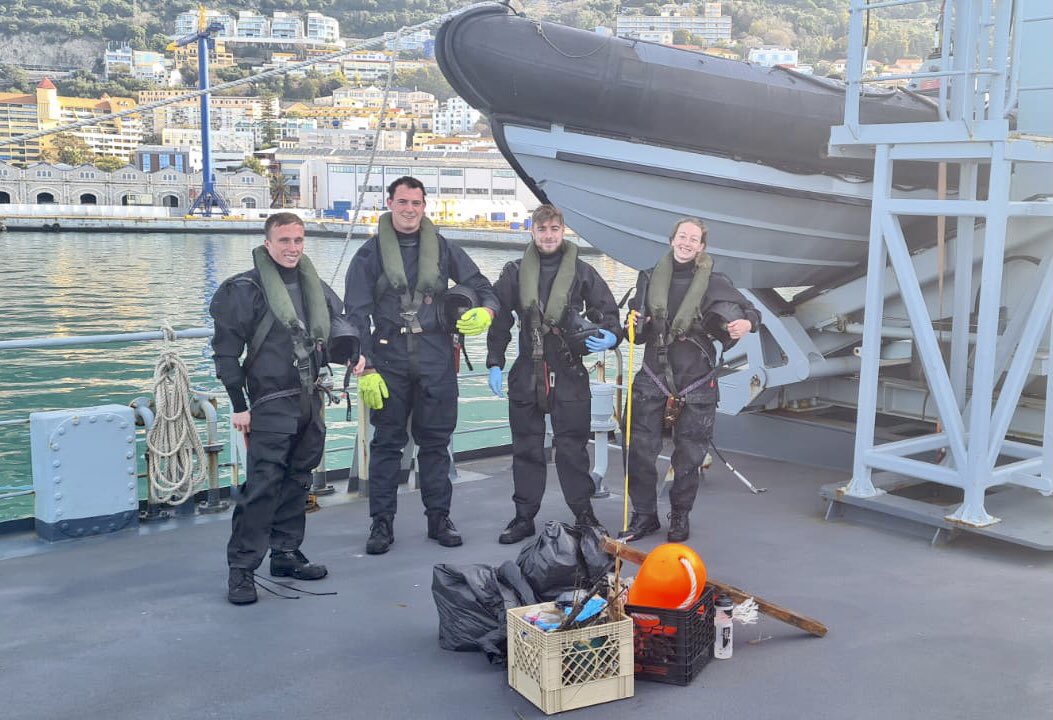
398, 283
548, 290
282, 314
681, 304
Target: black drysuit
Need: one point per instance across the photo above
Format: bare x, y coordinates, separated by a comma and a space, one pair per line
569, 398
418, 369
691, 359
284, 443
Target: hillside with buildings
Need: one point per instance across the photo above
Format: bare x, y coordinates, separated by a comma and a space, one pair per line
304, 134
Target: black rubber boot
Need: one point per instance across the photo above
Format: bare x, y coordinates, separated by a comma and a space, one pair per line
241, 587
586, 518
441, 529
381, 534
519, 529
293, 563
641, 525
679, 528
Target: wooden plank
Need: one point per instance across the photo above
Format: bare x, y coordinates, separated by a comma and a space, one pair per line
810, 625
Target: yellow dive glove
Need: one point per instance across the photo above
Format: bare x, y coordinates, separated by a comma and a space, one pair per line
475, 321
373, 390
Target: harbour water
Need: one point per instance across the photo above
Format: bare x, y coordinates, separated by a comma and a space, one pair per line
85, 283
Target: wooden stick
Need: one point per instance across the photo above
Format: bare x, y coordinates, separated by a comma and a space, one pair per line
633, 555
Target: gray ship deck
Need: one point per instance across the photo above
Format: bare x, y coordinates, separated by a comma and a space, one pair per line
137, 626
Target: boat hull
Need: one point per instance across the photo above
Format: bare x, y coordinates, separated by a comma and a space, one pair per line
767, 228
624, 179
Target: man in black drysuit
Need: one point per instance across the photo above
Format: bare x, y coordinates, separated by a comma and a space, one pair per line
676, 300
397, 280
281, 312
548, 286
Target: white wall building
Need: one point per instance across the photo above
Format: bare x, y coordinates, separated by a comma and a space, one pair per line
286, 26
322, 27
252, 25
228, 141
770, 56
707, 23
186, 23
414, 41
44, 184
455, 116
328, 178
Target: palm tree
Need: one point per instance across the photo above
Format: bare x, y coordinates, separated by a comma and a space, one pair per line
279, 190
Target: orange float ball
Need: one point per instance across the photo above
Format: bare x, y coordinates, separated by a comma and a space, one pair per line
672, 577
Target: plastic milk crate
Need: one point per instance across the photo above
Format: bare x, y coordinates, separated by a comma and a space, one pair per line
672, 646
569, 669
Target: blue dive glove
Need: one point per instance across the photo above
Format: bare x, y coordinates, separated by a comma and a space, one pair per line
495, 381
605, 341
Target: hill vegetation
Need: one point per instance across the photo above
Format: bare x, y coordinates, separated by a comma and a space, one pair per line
74, 32
818, 28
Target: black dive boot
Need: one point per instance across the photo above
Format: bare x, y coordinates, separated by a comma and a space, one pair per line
241, 587
679, 528
381, 534
586, 518
293, 563
519, 529
441, 529
641, 525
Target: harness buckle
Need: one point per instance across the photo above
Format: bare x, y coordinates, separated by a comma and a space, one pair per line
410, 323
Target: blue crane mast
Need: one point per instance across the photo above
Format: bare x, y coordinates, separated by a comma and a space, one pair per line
209, 197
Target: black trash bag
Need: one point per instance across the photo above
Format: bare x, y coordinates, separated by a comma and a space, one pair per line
472, 600
564, 557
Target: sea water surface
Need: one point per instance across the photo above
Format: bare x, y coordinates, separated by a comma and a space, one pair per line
61, 284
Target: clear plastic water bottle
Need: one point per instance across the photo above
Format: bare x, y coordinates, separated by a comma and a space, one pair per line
722, 621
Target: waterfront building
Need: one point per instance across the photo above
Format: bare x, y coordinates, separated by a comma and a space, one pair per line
22, 113
772, 55
455, 116
706, 23
43, 183
329, 180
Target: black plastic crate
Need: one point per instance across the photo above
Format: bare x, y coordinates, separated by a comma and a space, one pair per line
672, 646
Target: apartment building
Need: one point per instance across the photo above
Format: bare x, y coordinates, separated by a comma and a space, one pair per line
706, 23
455, 116
43, 109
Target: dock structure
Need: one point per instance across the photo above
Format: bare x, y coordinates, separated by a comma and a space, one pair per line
994, 134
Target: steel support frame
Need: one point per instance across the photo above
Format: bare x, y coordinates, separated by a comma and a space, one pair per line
974, 426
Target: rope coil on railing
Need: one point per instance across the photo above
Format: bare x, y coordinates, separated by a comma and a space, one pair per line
177, 457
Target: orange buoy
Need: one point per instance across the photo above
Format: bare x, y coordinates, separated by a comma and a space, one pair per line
672, 577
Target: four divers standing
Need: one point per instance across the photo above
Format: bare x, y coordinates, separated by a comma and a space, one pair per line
399, 333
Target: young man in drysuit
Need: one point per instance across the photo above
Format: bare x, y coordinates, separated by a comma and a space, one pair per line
548, 290
282, 314
395, 296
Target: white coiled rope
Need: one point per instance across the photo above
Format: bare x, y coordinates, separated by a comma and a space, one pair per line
177, 457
